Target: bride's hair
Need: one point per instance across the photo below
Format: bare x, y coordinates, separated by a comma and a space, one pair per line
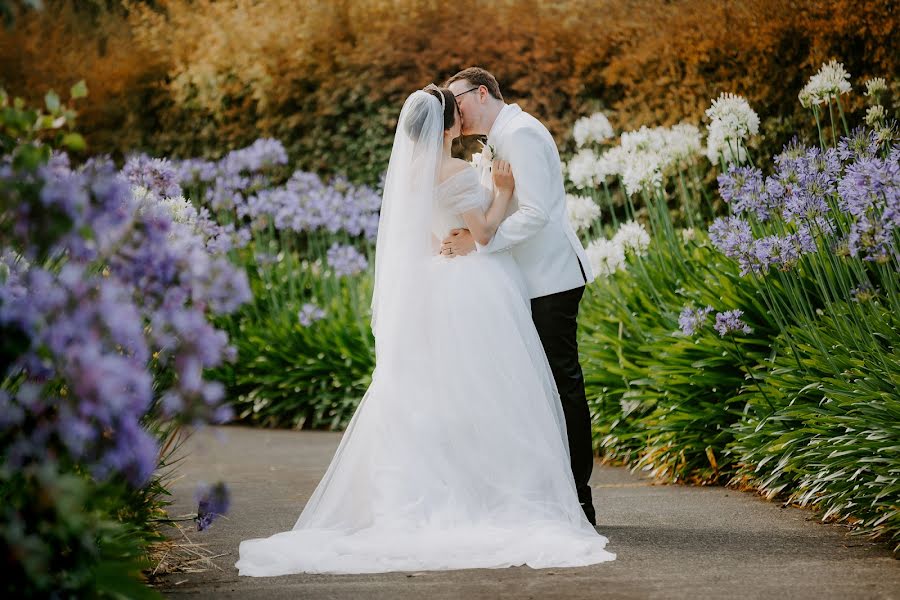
416, 120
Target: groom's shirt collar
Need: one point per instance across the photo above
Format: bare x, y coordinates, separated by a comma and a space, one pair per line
503, 118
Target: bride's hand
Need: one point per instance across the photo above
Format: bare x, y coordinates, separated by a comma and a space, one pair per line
503, 176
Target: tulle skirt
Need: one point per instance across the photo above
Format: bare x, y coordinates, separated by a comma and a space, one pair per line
459, 461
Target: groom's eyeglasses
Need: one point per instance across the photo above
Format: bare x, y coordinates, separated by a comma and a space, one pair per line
467, 91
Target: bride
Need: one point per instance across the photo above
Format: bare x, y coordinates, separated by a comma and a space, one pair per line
457, 456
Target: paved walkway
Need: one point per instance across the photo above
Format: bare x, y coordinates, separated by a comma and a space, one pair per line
672, 541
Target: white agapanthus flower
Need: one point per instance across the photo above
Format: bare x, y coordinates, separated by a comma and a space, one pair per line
595, 128
608, 165
143, 197
874, 114
643, 157
181, 210
644, 171
613, 161
717, 144
875, 86
645, 139
683, 142
583, 211
475, 160
688, 234
831, 81
734, 116
632, 237
640, 159
732, 121
583, 169
606, 257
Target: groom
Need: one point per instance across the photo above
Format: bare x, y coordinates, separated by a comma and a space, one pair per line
539, 236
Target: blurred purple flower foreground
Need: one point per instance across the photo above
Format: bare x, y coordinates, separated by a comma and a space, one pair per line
103, 288
212, 501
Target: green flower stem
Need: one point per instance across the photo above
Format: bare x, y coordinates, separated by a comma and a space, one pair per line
686, 200
833, 127
815, 110
843, 118
743, 361
707, 201
609, 203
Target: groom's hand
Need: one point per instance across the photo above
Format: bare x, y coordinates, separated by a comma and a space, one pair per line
459, 243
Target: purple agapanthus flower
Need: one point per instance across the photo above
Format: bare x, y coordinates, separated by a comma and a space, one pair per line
870, 192
745, 189
346, 260
156, 174
866, 184
732, 236
692, 320
804, 206
136, 286
864, 292
305, 203
730, 322
212, 501
309, 314
814, 178
263, 153
195, 170
862, 143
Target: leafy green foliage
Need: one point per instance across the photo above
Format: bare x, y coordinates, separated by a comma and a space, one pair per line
64, 532
292, 375
834, 441
661, 400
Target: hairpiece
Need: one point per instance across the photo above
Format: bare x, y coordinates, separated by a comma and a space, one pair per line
440, 94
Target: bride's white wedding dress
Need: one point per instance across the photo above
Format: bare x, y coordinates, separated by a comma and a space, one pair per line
457, 456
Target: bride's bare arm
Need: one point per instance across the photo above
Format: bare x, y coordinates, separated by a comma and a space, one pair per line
482, 224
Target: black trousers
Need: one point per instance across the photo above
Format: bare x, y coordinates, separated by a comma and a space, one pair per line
555, 318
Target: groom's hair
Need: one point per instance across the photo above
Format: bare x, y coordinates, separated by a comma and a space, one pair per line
478, 76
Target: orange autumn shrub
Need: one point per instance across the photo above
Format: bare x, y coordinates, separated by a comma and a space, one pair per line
764, 50
329, 78
199, 77
70, 41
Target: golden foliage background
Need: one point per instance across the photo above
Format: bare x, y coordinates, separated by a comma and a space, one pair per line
199, 77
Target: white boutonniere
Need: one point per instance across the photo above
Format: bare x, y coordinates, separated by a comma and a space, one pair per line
485, 157
487, 153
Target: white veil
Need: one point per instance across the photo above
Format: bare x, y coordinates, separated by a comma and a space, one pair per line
403, 249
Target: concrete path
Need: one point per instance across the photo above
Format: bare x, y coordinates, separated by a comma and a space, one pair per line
672, 541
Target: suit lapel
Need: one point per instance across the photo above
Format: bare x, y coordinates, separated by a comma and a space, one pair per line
503, 119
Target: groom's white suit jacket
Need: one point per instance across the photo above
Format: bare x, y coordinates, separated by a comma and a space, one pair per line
537, 230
